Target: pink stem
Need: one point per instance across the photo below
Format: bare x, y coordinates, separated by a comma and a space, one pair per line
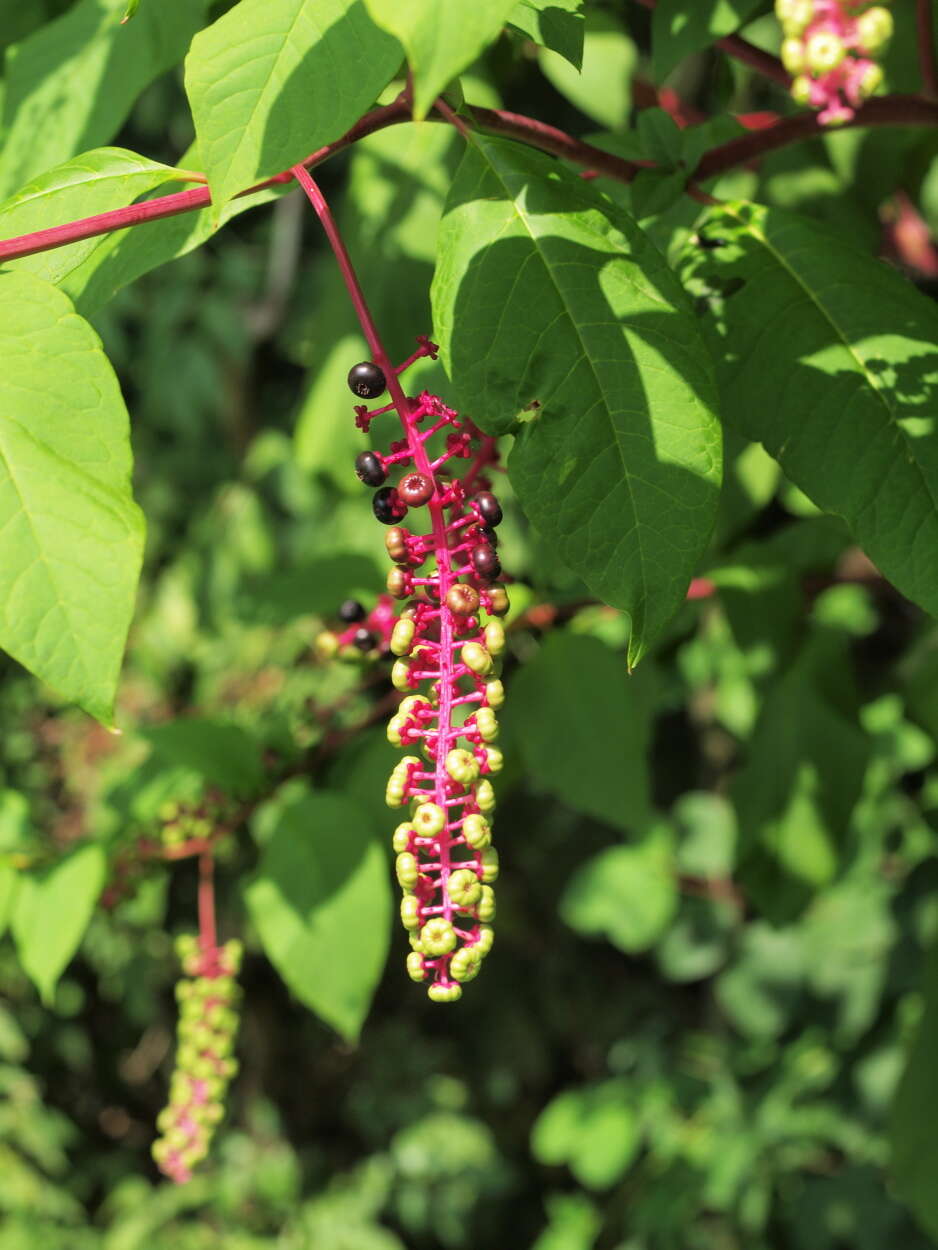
405, 411
208, 938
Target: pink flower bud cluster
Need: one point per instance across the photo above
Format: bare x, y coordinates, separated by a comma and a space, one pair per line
208, 1021
446, 640
829, 47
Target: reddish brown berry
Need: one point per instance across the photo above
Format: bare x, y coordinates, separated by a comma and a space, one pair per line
489, 508
415, 489
485, 562
398, 583
498, 601
395, 540
462, 599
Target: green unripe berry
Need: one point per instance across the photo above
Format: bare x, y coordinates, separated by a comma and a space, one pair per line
444, 993
793, 56
485, 795
464, 887
800, 90
489, 862
410, 912
428, 820
326, 645
823, 52
494, 759
400, 675
462, 766
794, 15
415, 966
401, 837
476, 830
402, 636
486, 908
394, 792
487, 724
871, 81
483, 943
413, 703
495, 637
476, 658
465, 964
407, 870
395, 725
438, 937
875, 28
494, 693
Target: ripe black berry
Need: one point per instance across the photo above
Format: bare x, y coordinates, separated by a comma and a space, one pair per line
369, 469
485, 562
387, 505
488, 535
351, 611
415, 489
364, 639
366, 380
490, 509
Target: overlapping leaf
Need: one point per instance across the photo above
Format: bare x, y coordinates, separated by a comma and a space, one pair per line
272, 80
829, 359
548, 300
72, 536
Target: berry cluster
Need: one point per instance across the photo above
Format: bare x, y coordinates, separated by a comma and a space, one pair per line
829, 47
208, 1021
182, 822
446, 667
361, 634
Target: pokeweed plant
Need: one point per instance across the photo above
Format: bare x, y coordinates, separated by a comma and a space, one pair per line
606, 308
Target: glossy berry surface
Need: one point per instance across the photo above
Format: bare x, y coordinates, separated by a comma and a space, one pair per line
415, 489
485, 562
351, 611
369, 469
366, 380
364, 639
490, 510
388, 506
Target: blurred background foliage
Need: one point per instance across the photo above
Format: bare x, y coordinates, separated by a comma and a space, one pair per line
719, 879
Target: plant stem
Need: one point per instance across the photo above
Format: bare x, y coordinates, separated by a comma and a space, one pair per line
926, 48
896, 110
207, 935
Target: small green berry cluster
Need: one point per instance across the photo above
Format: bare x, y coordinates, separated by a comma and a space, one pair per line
208, 1021
182, 822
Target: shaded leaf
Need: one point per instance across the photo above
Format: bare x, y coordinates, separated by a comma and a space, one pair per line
70, 85
679, 28
225, 755
73, 537
627, 894
914, 1113
545, 292
828, 358
440, 40
555, 24
51, 911
321, 903
600, 86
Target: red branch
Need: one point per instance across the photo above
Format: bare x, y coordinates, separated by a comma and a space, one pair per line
926, 47
897, 110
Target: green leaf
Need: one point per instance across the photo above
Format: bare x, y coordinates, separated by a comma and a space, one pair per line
602, 87
440, 40
273, 80
596, 1131
679, 28
70, 85
223, 754
315, 587
547, 293
581, 726
73, 537
627, 894
94, 182
827, 357
555, 24
914, 1114
321, 902
760, 992
51, 911
9, 879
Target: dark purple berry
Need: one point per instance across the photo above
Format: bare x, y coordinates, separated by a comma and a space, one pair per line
387, 505
351, 611
366, 380
490, 510
369, 469
485, 562
415, 489
364, 639
488, 535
